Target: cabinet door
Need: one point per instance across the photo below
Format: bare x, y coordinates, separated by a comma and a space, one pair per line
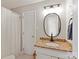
41, 56
54, 58
58, 58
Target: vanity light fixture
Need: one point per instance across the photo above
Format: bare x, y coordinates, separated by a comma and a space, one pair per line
52, 6
55, 8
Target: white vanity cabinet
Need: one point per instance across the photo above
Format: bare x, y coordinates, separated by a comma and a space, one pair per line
44, 53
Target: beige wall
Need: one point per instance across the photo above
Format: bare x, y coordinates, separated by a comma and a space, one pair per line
38, 7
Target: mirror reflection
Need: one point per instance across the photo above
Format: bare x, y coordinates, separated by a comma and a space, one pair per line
52, 24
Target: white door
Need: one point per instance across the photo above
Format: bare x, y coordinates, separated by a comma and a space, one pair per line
28, 31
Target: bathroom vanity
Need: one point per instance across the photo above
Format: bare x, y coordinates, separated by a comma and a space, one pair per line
59, 49
53, 47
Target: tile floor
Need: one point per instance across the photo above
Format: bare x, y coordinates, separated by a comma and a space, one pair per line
24, 56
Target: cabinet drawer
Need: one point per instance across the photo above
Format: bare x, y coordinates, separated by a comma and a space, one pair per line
54, 58
41, 56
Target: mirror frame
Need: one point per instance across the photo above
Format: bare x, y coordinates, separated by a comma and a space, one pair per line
59, 24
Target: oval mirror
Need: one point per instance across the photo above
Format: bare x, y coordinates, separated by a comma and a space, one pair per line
52, 24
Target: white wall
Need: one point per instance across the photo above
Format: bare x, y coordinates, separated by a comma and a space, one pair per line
72, 12
75, 28
10, 32
38, 7
69, 13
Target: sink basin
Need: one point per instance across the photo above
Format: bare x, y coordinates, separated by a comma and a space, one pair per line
52, 44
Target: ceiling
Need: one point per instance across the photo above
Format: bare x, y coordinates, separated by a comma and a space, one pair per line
17, 3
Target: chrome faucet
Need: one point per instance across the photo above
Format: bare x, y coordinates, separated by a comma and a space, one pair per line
51, 38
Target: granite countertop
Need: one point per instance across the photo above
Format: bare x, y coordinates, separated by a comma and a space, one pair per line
63, 45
